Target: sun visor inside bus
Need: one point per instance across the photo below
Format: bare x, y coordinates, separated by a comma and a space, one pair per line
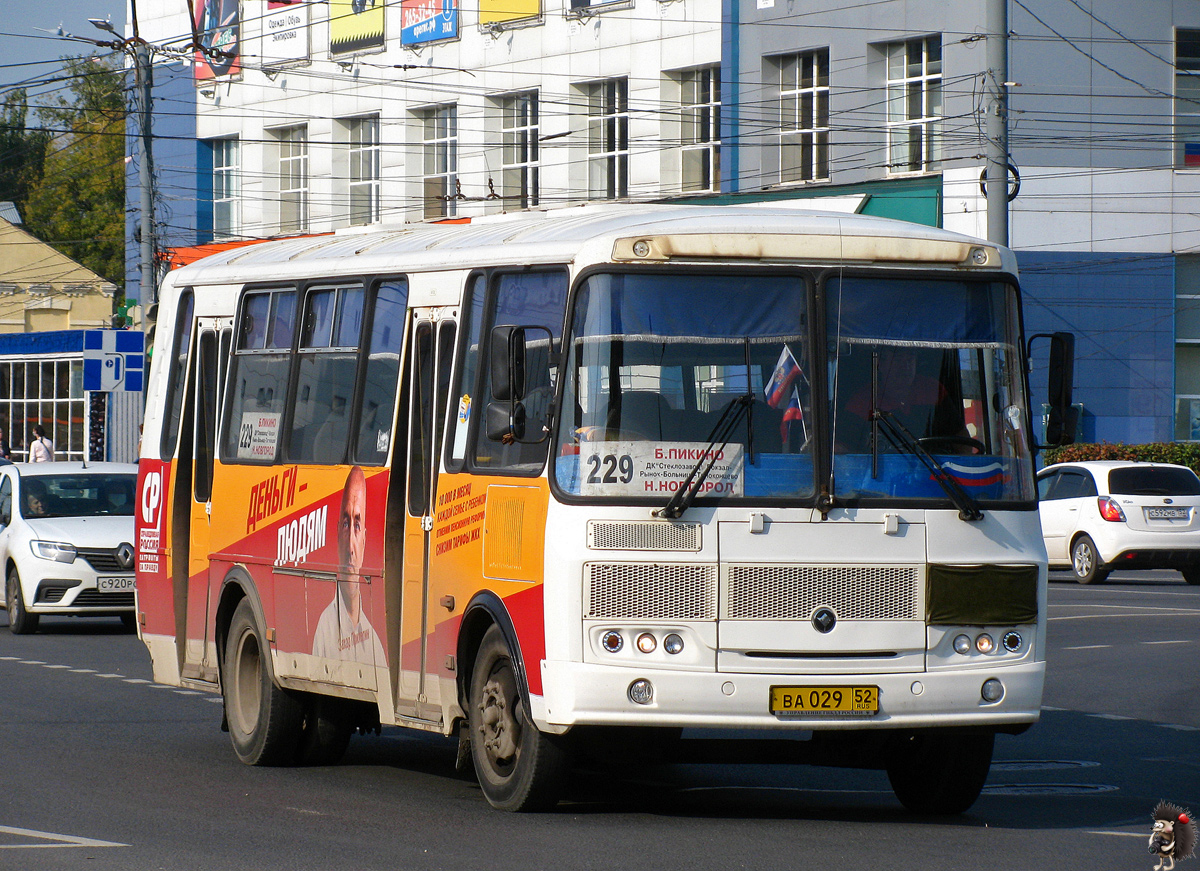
955, 312
981, 595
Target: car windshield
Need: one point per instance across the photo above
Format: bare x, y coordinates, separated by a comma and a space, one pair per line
1153, 481
77, 495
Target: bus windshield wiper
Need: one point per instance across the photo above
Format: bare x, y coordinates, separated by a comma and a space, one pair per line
900, 437
720, 436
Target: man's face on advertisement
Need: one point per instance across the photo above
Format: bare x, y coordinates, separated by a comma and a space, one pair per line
352, 531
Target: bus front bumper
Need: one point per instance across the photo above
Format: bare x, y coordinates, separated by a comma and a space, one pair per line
579, 694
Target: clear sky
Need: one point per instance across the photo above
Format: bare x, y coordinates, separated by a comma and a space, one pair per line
27, 52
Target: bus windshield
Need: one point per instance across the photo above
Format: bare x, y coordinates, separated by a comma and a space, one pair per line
711, 376
926, 365
655, 363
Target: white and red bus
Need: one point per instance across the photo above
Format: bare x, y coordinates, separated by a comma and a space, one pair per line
559, 477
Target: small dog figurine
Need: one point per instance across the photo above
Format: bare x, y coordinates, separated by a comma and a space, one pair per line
1173, 836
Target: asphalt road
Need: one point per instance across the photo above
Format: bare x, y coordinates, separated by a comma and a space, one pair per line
103, 769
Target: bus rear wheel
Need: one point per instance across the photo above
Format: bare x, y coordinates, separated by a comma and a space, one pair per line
940, 772
519, 768
265, 721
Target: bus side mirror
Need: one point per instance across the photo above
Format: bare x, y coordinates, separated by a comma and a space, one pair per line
520, 359
1060, 378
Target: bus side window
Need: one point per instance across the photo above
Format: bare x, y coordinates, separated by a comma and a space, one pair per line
178, 374
377, 411
327, 362
526, 298
258, 376
465, 401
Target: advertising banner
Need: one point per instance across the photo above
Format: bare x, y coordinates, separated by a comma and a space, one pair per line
355, 26
218, 30
496, 11
428, 21
285, 32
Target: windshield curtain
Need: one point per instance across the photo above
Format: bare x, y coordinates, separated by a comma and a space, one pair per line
655, 361
940, 359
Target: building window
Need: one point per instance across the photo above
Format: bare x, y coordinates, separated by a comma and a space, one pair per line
47, 392
1187, 348
293, 179
226, 188
914, 104
519, 137
804, 116
700, 96
1187, 98
608, 139
363, 141
440, 132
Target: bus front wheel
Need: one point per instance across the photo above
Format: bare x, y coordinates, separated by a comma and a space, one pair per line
940, 773
265, 721
519, 768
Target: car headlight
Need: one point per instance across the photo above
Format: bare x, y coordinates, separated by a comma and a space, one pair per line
59, 551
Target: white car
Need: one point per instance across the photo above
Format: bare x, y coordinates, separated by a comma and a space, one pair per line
1098, 516
66, 538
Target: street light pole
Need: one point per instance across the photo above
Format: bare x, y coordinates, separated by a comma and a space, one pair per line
997, 121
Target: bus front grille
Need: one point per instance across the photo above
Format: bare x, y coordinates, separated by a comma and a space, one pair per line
794, 592
650, 591
642, 535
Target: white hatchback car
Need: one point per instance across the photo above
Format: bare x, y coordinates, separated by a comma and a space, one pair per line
66, 538
1103, 515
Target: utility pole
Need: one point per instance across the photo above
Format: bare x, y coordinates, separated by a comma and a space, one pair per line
996, 87
148, 290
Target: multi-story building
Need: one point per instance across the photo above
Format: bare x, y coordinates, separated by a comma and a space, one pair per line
314, 117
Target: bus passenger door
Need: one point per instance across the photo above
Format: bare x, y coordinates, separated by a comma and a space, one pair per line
211, 351
431, 356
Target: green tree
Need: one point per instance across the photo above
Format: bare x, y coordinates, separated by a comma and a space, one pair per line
22, 150
78, 204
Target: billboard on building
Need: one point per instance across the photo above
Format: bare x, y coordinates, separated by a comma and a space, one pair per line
496, 11
428, 21
285, 32
218, 34
355, 26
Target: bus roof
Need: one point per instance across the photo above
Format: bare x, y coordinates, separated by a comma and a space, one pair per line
561, 235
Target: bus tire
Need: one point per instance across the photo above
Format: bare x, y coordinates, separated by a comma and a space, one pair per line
518, 767
326, 731
264, 720
940, 772
20, 621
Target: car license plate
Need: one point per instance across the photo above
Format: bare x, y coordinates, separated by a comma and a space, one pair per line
840, 701
1180, 513
114, 585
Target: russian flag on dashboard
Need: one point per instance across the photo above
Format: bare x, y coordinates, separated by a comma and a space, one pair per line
793, 412
780, 387
1191, 154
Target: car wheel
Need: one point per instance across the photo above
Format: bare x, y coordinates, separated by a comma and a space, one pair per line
1085, 561
1192, 576
20, 621
519, 767
940, 773
265, 721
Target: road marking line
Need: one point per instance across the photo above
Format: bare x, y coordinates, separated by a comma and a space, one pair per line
1179, 728
31, 662
1177, 641
57, 666
137, 680
187, 693
110, 675
83, 671
1048, 708
60, 840
1109, 717
1090, 647
10, 658
1121, 834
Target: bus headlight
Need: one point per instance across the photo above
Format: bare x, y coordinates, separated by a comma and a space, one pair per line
1012, 641
985, 643
992, 690
646, 643
641, 691
673, 644
612, 641
962, 644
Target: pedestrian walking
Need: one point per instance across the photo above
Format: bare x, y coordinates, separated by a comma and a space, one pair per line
41, 449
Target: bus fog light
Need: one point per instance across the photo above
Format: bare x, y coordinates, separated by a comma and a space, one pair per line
992, 690
673, 644
1011, 641
985, 643
641, 691
646, 642
612, 641
962, 644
